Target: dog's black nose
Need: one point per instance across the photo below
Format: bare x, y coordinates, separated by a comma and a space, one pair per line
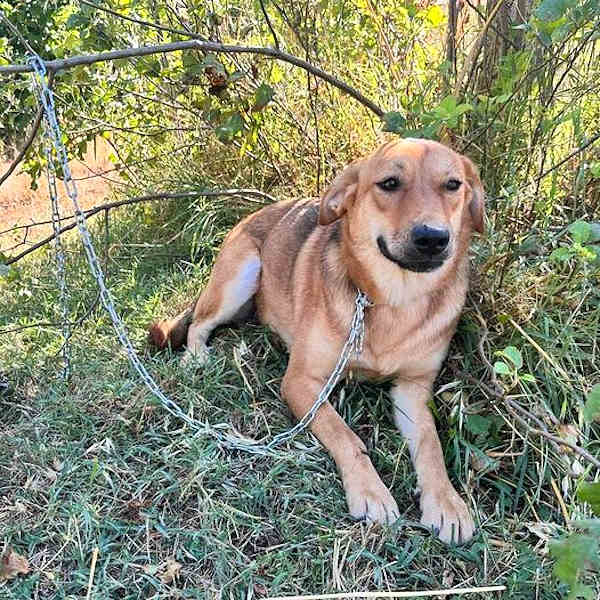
430, 241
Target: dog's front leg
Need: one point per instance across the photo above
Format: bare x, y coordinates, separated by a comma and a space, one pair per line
367, 496
442, 508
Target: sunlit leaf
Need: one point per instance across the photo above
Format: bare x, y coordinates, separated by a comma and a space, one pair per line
502, 368
590, 493
263, 95
514, 355
591, 410
435, 15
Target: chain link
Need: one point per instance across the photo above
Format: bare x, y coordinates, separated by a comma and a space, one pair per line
64, 299
223, 433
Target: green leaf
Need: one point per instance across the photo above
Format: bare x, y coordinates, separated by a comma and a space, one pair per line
594, 232
591, 410
263, 95
514, 355
477, 424
580, 590
393, 122
527, 377
572, 555
502, 368
551, 10
448, 105
590, 493
226, 132
561, 254
581, 231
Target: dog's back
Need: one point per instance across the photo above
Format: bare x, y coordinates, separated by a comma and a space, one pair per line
289, 222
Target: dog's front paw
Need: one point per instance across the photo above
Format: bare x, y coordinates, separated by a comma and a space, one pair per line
196, 357
369, 499
447, 514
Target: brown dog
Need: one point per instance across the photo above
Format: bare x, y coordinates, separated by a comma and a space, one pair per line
396, 225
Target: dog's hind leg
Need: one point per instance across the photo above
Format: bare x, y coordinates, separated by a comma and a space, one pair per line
233, 282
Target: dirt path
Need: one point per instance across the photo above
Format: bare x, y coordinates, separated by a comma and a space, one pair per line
21, 205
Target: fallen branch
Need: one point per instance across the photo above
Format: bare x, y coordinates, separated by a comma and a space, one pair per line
160, 196
54, 66
385, 594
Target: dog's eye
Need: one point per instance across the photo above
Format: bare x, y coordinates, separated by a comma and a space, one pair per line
389, 185
453, 184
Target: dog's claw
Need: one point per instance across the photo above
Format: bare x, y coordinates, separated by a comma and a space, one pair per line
369, 499
446, 514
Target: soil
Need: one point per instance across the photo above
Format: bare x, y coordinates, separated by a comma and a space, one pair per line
21, 205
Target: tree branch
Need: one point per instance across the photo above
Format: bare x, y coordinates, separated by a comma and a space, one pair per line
159, 196
203, 46
475, 49
581, 148
32, 134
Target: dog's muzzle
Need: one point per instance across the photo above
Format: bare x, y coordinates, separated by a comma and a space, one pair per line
426, 249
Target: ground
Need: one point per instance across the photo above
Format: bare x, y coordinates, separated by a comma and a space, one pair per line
95, 464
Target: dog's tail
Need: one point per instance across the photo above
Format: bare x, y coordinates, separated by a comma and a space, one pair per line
171, 332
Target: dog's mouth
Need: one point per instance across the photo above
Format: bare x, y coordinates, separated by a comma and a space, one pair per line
412, 260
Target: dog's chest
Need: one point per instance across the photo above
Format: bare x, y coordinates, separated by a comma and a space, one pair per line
405, 342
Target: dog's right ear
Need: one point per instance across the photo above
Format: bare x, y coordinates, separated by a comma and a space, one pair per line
339, 196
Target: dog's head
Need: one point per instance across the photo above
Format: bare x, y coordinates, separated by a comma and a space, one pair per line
415, 201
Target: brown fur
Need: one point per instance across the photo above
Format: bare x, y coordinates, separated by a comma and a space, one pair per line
303, 278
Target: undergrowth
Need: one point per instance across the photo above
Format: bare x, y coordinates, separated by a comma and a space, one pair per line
96, 463
96, 479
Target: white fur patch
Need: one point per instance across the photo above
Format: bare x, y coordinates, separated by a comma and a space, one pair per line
245, 283
405, 418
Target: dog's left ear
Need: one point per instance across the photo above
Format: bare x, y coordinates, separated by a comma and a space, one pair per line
338, 197
476, 205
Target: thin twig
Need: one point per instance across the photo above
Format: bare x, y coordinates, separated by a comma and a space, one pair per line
403, 594
17, 33
32, 134
268, 20
470, 62
19, 157
515, 406
581, 148
561, 503
142, 22
159, 196
542, 352
74, 61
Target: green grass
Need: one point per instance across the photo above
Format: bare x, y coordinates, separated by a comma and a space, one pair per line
97, 463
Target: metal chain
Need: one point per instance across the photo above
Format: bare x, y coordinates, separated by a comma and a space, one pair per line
58, 247
221, 432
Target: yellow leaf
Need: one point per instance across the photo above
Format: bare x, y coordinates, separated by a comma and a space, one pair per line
435, 15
